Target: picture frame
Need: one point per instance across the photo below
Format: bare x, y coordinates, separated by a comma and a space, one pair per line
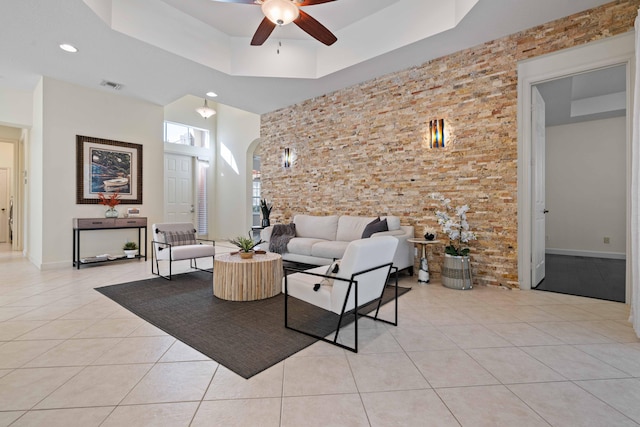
106, 166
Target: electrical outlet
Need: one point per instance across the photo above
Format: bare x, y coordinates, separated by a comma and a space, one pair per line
607, 240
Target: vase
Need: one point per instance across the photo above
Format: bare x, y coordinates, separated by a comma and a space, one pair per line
246, 255
111, 213
131, 253
456, 272
266, 222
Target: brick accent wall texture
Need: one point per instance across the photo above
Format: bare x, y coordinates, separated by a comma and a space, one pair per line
364, 150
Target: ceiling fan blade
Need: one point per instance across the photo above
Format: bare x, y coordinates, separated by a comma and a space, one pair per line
263, 32
315, 29
312, 2
236, 1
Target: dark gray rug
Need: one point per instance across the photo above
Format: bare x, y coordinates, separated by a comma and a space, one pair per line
246, 337
585, 276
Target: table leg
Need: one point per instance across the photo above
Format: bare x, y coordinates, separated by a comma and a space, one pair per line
423, 274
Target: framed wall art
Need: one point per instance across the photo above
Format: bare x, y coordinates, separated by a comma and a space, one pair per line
105, 166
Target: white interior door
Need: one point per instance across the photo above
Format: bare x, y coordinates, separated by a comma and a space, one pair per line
178, 187
538, 179
4, 205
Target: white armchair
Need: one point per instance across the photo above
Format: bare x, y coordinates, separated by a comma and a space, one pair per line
361, 278
177, 241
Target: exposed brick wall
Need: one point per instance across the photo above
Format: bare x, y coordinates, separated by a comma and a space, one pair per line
363, 150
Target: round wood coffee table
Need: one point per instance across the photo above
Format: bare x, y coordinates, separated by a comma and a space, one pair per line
237, 279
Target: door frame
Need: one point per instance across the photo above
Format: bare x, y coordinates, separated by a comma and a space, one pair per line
604, 53
4, 225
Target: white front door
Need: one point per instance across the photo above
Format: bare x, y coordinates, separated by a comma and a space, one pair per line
538, 154
4, 205
178, 188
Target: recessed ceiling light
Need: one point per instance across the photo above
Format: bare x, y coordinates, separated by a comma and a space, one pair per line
68, 48
212, 94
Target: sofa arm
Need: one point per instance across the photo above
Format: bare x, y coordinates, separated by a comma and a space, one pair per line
265, 234
404, 257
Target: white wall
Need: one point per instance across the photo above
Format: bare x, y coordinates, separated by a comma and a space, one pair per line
237, 129
16, 108
34, 179
71, 110
58, 111
586, 187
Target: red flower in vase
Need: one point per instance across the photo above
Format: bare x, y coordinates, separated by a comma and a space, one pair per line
111, 201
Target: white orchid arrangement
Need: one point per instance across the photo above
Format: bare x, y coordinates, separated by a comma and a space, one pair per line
455, 227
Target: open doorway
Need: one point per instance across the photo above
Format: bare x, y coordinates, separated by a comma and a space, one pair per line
584, 177
597, 55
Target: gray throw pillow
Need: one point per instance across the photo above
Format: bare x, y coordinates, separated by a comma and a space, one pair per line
375, 226
180, 238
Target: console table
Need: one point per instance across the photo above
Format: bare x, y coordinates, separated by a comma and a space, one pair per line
84, 224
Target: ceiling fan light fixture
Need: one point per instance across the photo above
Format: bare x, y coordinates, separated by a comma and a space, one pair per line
205, 111
280, 12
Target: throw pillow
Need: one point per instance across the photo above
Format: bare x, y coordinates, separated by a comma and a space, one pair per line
333, 269
375, 226
179, 238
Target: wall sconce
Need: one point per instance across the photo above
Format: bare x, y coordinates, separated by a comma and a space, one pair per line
436, 128
287, 158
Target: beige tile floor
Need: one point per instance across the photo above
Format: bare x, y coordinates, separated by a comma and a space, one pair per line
485, 357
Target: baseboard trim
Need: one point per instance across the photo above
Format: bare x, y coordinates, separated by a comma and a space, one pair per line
589, 254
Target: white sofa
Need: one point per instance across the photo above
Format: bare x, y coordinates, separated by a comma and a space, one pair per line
321, 239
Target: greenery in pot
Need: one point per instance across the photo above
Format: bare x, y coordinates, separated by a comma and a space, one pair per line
454, 226
245, 244
130, 246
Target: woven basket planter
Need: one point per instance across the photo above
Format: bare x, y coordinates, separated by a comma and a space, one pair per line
456, 272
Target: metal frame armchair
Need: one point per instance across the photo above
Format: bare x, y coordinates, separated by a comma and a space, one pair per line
176, 242
359, 281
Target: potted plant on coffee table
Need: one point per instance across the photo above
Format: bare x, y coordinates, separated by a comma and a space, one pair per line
246, 245
456, 271
130, 249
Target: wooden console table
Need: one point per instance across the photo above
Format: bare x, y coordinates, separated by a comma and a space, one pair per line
84, 224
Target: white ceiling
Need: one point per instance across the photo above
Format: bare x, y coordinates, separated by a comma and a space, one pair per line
598, 94
203, 45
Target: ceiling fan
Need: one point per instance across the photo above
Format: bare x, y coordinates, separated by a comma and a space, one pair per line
283, 12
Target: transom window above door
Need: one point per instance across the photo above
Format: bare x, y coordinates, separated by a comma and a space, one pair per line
175, 133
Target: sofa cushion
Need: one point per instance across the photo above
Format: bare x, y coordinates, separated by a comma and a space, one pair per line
350, 228
393, 222
375, 227
302, 245
316, 227
330, 250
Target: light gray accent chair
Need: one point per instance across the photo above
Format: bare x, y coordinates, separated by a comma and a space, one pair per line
361, 279
177, 241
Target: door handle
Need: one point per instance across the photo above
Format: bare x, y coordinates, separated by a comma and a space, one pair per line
545, 211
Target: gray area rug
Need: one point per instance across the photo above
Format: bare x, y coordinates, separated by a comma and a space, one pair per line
246, 337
